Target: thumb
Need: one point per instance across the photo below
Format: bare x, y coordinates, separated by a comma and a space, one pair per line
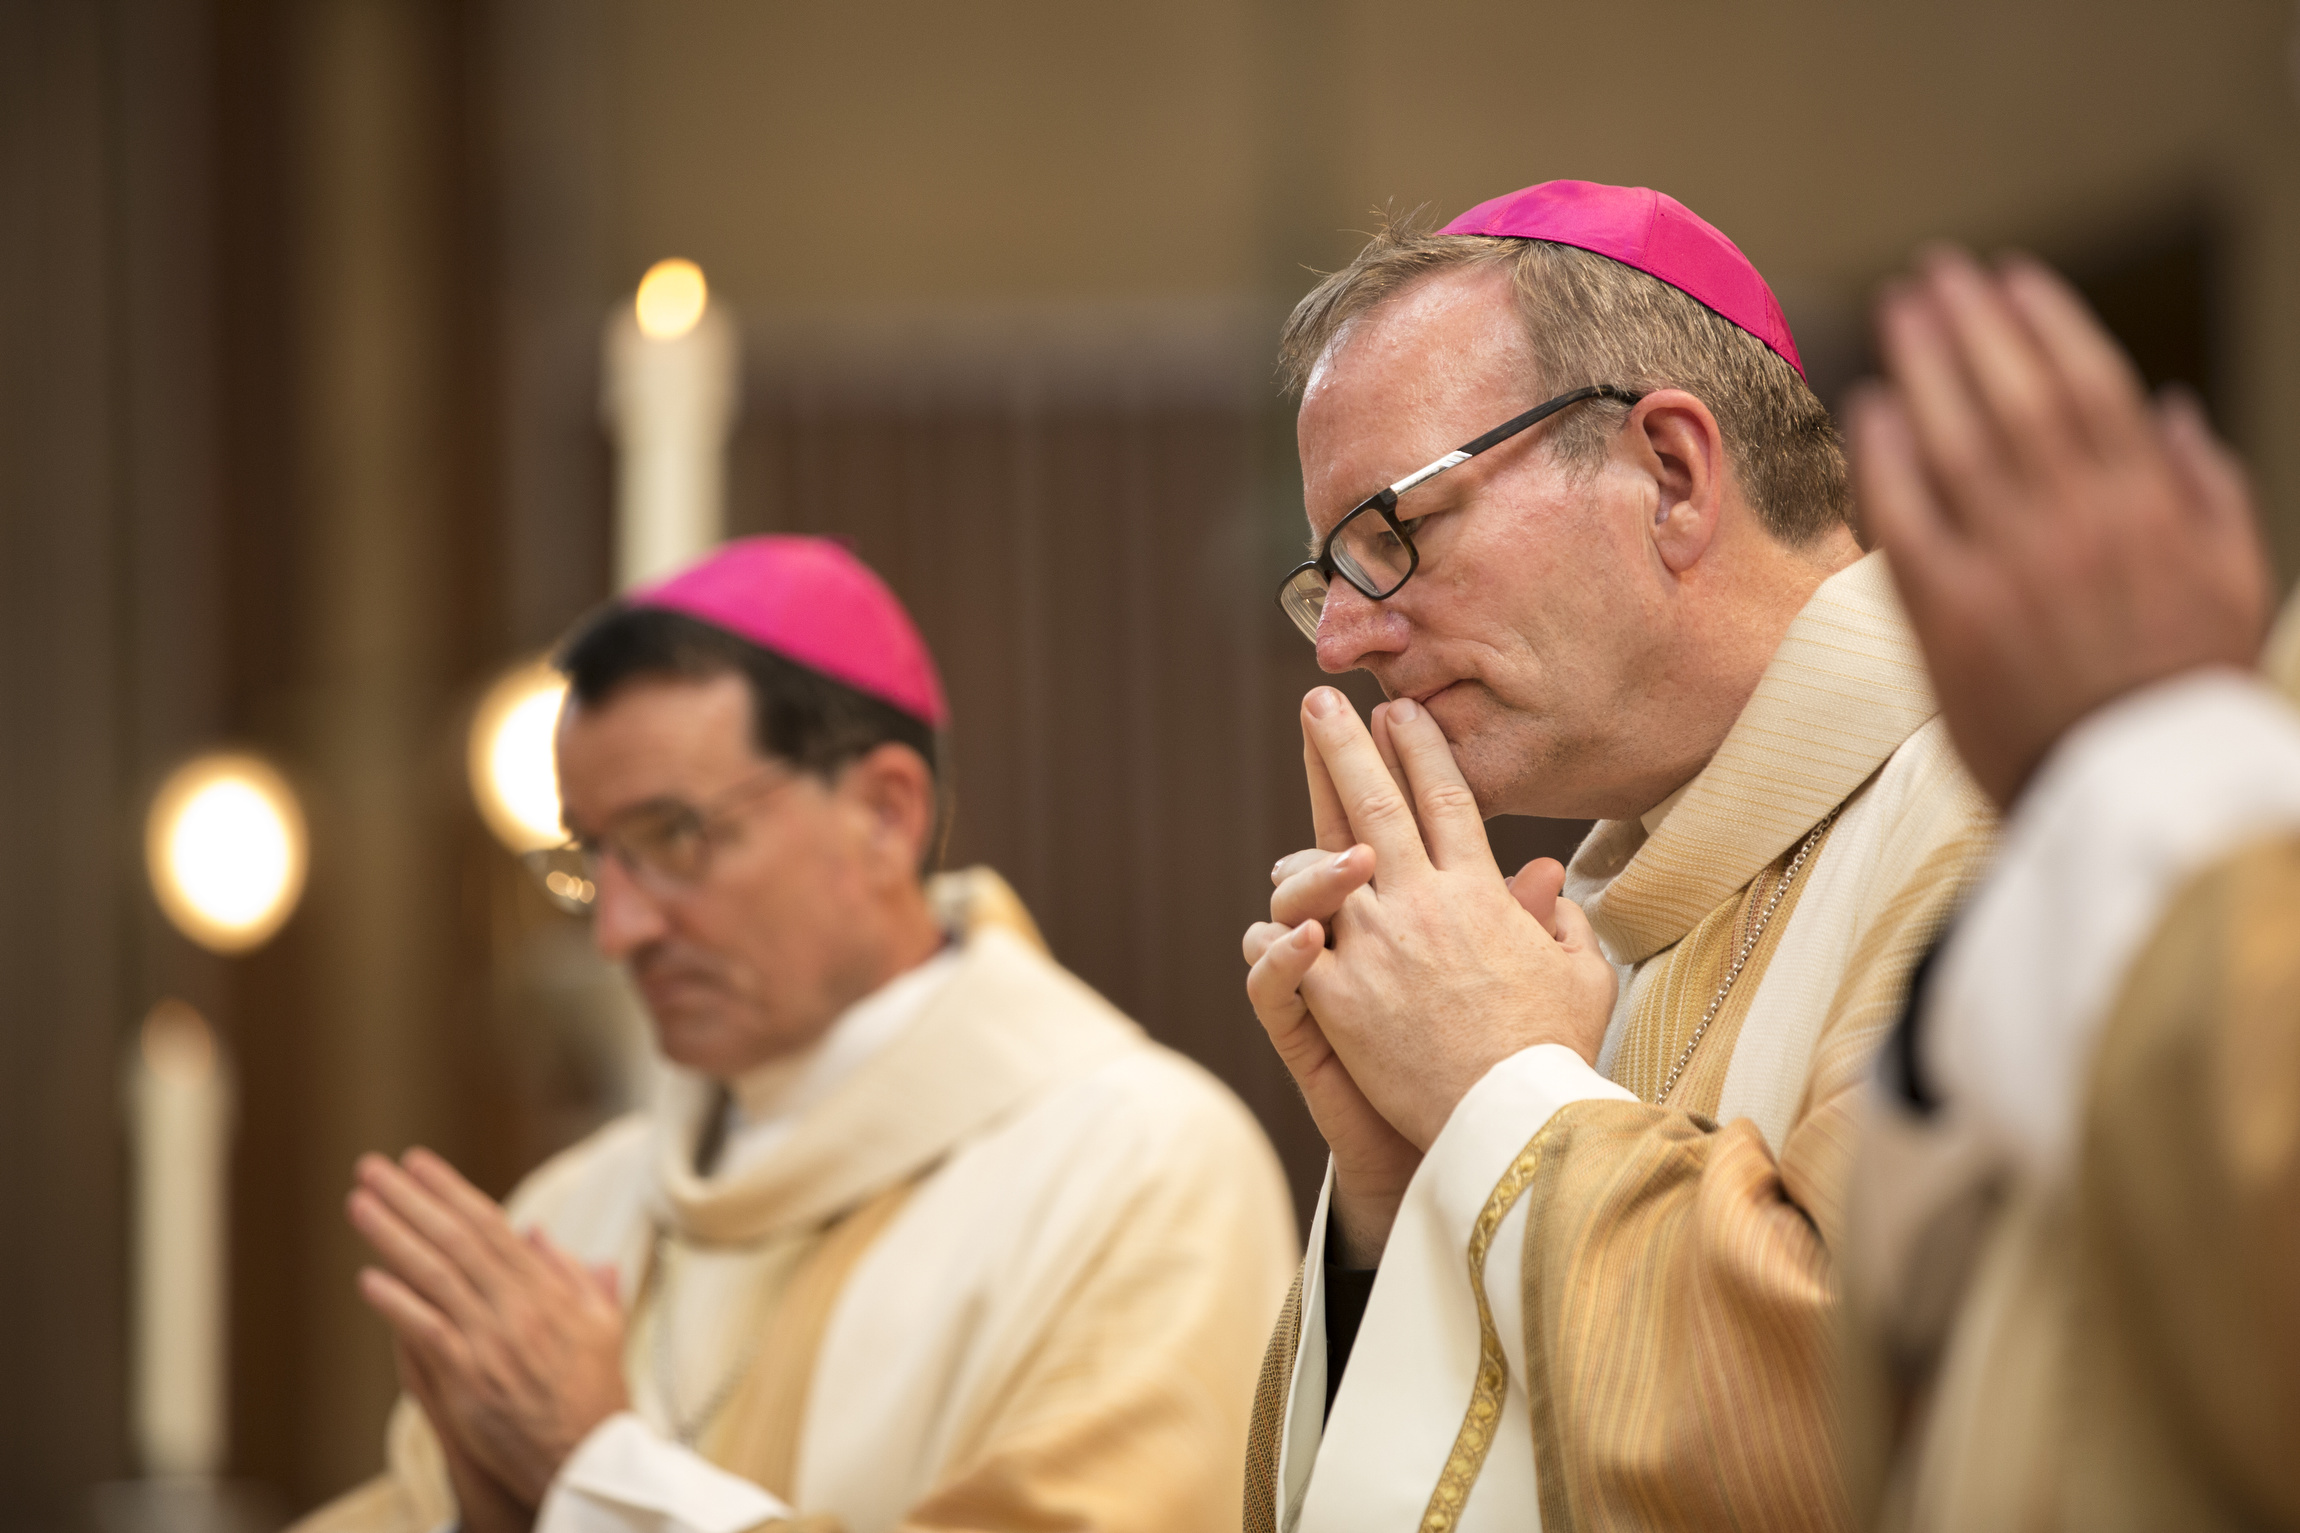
1536, 887
1573, 931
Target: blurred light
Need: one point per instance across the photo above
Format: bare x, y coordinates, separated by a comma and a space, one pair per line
671, 299
571, 887
225, 847
513, 775
177, 1042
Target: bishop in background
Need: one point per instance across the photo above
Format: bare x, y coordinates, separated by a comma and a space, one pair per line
924, 1233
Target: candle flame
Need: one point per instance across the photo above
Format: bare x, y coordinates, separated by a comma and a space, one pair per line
178, 1043
672, 297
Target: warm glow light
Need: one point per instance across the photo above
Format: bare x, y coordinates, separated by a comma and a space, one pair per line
178, 1044
513, 775
225, 846
671, 299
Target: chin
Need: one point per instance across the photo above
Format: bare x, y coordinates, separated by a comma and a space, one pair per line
698, 1043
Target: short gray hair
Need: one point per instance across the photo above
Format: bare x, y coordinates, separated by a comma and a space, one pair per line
1590, 319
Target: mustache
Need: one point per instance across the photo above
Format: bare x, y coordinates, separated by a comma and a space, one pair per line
670, 962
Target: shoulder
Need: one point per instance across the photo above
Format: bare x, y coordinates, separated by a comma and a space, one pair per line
1131, 1110
1921, 823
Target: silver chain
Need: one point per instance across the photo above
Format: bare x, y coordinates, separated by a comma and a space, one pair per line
1748, 946
687, 1427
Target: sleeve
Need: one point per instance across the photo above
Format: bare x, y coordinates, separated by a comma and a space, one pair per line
626, 1478
1678, 1305
2129, 806
2188, 1198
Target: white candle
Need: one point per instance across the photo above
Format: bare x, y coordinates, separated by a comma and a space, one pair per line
672, 381
180, 1095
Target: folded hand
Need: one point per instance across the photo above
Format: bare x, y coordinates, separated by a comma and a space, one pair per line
517, 1348
2057, 539
1439, 968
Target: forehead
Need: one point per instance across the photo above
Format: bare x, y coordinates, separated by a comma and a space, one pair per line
1431, 367
653, 737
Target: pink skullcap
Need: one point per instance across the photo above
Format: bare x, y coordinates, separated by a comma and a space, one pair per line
812, 602
1658, 235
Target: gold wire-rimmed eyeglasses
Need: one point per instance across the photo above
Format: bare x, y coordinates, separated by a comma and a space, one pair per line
664, 843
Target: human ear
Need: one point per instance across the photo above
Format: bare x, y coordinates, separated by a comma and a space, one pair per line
1678, 443
892, 787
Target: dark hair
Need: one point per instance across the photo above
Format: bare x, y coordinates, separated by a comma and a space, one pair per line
798, 714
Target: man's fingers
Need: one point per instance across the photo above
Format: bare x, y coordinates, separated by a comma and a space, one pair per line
417, 1324
1377, 812
1316, 893
2109, 404
1379, 727
1536, 888
1573, 931
415, 1259
2218, 490
1274, 986
1258, 938
1451, 825
2031, 412
1299, 862
482, 1213
1950, 432
438, 1222
1329, 822
2218, 498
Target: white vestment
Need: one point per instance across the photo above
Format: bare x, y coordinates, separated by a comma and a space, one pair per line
1435, 1425
988, 1258
1996, 1385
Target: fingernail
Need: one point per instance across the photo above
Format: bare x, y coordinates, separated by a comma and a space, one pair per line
1323, 701
1304, 933
1404, 711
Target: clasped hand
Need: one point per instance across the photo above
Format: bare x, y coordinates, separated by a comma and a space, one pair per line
1438, 967
513, 1349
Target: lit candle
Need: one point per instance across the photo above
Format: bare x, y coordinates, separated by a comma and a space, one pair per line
673, 365
180, 1095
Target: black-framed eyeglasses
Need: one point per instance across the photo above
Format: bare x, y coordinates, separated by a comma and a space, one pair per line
665, 844
1371, 548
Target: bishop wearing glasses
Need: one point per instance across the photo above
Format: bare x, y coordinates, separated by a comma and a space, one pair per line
924, 1233
1575, 508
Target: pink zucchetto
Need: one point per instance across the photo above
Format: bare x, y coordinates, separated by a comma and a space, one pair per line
1658, 235
813, 603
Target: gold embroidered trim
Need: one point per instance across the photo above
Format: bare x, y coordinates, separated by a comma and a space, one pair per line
1483, 1418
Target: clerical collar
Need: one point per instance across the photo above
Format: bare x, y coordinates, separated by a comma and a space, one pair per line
1651, 819
767, 1102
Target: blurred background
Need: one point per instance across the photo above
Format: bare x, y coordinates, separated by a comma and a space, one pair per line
303, 313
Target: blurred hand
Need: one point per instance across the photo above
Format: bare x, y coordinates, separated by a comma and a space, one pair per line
483, 1504
517, 1349
1439, 969
2057, 539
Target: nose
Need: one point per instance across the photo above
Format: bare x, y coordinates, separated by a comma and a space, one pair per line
1353, 626
625, 917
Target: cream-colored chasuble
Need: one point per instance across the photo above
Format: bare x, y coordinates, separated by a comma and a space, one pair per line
1014, 1271
1599, 1312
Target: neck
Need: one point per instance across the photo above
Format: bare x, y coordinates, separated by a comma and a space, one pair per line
1724, 654
898, 935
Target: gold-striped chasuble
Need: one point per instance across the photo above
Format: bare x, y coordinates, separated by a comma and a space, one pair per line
1674, 992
